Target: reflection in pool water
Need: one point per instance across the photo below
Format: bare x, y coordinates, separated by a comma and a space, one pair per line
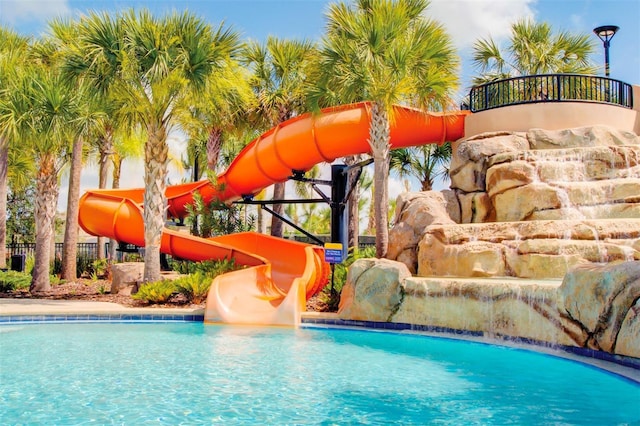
190, 373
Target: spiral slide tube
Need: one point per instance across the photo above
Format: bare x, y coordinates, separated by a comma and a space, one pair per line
280, 275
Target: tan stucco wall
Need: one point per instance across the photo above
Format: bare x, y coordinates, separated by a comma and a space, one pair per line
555, 116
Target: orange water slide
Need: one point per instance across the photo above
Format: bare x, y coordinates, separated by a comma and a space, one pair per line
280, 275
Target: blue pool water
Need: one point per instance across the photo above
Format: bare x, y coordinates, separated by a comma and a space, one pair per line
189, 373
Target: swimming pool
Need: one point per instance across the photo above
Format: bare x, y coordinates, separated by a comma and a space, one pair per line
189, 373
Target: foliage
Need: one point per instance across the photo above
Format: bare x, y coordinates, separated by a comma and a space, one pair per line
29, 263
533, 48
210, 268
216, 218
195, 287
156, 292
99, 269
331, 292
21, 221
12, 280
84, 265
426, 163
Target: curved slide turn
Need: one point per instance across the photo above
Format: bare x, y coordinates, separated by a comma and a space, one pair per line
280, 275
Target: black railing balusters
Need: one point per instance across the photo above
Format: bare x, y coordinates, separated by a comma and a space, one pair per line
550, 88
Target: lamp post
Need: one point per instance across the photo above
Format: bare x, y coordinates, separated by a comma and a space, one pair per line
606, 33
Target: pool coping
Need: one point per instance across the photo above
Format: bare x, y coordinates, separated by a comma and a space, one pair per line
24, 311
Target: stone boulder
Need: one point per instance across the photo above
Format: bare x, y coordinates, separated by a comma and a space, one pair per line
469, 157
126, 277
414, 213
603, 301
373, 290
529, 249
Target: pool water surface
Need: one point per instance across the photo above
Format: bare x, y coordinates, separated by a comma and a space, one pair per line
191, 373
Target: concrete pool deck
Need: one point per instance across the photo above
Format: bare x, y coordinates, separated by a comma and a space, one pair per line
18, 307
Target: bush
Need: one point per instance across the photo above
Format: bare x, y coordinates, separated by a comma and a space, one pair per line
331, 296
156, 292
194, 287
12, 280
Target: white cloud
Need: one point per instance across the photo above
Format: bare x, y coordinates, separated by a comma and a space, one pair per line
469, 20
15, 12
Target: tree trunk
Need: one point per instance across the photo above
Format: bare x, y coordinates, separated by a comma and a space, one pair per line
379, 134
115, 184
277, 226
106, 149
70, 246
46, 197
214, 146
155, 202
353, 239
4, 154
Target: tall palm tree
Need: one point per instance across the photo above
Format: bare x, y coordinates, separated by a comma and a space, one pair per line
62, 45
533, 48
280, 70
12, 48
41, 110
426, 163
149, 64
387, 52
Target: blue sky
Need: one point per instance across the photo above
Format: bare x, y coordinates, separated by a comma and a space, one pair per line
465, 20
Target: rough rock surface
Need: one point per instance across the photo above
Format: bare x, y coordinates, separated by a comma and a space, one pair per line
575, 177
372, 291
126, 276
594, 307
602, 300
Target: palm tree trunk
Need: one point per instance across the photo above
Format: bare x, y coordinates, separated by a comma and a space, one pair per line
4, 154
277, 226
155, 202
115, 184
106, 147
70, 246
214, 146
379, 134
353, 220
46, 197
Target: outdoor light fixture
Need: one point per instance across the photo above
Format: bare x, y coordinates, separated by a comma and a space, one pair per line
606, 33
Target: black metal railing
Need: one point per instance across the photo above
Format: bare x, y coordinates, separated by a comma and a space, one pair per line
550, 88
88, 250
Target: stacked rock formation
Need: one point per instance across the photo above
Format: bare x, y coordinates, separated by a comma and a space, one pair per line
528, 205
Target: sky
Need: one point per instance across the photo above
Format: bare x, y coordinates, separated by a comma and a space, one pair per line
465, 20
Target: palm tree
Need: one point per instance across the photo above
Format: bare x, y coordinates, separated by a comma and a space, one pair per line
149, 64
280, 71
63, 44
533, 48
42, 107
12, 49
425, 163
387, 52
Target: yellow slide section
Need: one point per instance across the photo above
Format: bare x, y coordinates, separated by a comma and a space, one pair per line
280, 275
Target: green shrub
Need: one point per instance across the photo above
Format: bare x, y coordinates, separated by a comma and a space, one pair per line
83, 265
210, 268
156, 292
331, 295
29, 263
12, 280
99, 269
194, 287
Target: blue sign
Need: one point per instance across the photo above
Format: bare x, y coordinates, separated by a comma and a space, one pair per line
333, 253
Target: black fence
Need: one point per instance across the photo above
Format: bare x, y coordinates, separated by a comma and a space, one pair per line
89, 251
550, 88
